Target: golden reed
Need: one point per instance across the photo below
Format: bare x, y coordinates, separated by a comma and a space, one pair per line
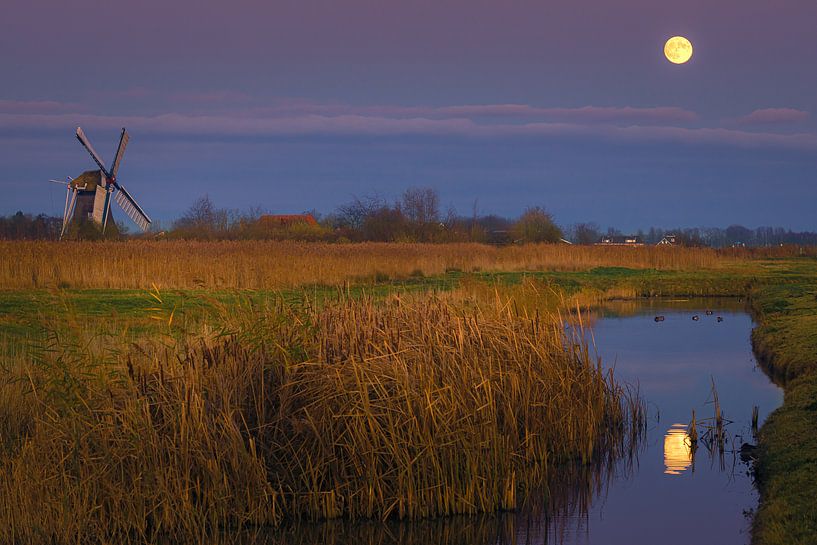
276, 265
415, 406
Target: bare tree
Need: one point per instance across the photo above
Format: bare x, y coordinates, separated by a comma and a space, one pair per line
586, 233
420, 205
354, 213
385, 225
203, 219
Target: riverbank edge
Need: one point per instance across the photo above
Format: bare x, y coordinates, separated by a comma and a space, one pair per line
785, 344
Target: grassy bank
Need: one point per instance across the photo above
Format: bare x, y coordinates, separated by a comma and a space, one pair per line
786, 343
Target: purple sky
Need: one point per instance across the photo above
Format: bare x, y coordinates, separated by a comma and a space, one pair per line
292, 105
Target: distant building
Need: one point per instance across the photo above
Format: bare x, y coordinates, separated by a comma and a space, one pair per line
620, 240
668, 240
282, 221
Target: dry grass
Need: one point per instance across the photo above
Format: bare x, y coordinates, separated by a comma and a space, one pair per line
413, 407
276, 265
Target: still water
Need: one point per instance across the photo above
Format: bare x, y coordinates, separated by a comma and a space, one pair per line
665, 494
670, 498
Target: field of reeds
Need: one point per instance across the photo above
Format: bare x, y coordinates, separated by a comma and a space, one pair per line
281, 265
415, 406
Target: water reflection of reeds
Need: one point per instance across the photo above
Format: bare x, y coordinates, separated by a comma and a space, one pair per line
551, 514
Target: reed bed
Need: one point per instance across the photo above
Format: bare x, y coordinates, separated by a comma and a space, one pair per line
277, 265
413, 407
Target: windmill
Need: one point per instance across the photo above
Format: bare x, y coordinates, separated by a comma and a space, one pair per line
89, 195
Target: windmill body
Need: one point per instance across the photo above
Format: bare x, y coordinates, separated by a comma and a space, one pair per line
89, 196
90, 204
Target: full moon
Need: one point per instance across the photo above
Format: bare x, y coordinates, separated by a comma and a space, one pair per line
678, 50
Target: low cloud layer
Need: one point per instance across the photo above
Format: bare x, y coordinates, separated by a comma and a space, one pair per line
36, 106
298, 117
774, 116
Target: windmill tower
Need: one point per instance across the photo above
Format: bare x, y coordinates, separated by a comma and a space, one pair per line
89, 195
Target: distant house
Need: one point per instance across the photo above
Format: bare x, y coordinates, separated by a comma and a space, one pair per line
668, 240
282, 221
620, 240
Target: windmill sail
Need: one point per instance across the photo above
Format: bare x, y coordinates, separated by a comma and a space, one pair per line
107, 213
69, 211
120, 151
65, 215
94, 155
100, 198
133, 210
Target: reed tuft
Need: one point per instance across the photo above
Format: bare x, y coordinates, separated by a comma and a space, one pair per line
412, 407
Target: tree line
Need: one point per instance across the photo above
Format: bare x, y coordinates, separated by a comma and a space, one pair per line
415, 216
21, 226
714, 237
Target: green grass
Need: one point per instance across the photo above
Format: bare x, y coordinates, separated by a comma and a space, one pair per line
31, 313
787, 335
786, 344
650, 282
787, 469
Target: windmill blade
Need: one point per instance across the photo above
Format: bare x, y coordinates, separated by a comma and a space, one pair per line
107, 213
69, 211
120, 151
94, 155
65, 208
133, 210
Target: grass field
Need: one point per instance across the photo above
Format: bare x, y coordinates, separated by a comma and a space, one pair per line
297, 305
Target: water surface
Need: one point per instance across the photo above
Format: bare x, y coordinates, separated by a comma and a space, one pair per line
672, 498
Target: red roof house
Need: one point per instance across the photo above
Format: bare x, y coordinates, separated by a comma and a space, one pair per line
286, 220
